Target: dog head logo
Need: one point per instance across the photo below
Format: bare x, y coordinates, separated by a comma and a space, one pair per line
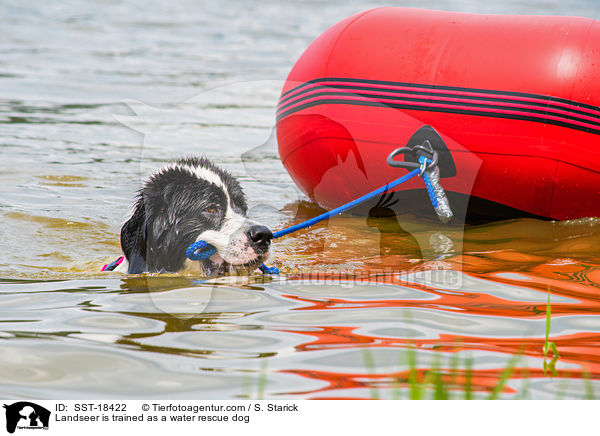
26, 415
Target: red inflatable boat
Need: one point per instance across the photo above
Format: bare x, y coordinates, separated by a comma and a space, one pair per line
511, 103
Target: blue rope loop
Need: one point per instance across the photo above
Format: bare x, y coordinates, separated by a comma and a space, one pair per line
434, 201
200, 250
268, 269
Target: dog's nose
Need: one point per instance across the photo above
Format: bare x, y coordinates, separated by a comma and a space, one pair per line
260, 235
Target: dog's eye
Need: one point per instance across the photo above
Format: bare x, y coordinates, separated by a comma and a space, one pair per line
211, 209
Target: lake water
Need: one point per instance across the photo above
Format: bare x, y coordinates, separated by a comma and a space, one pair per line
94, 95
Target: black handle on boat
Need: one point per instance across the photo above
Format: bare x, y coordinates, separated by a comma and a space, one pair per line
412, 155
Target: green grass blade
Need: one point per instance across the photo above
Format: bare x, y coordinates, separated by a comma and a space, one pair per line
262, 380
503, 378
468, 378
589, 387
435, 377
548, 316
454, 363
441, 391
370, 365
548, 345
396, 390
416, 389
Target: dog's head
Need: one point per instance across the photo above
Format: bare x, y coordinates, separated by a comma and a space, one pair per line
187, 201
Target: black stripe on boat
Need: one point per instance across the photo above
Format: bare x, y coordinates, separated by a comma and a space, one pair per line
478, 105
443, 110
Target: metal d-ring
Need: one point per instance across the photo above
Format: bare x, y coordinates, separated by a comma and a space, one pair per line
424, 149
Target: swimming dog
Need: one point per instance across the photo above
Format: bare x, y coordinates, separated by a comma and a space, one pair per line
189, 200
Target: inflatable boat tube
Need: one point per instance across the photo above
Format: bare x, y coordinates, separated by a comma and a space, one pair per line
511, 103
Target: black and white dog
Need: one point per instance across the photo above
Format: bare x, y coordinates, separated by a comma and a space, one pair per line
189, 200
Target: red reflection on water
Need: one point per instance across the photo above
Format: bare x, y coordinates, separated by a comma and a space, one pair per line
579, 282
580, 348
474, 304
480, 380
477, 303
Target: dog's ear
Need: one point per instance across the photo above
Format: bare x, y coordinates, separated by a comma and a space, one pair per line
133, 239
168, 234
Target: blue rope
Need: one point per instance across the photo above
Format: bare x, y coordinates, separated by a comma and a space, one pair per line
268, 269
346, 206
428, 185
201, 250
